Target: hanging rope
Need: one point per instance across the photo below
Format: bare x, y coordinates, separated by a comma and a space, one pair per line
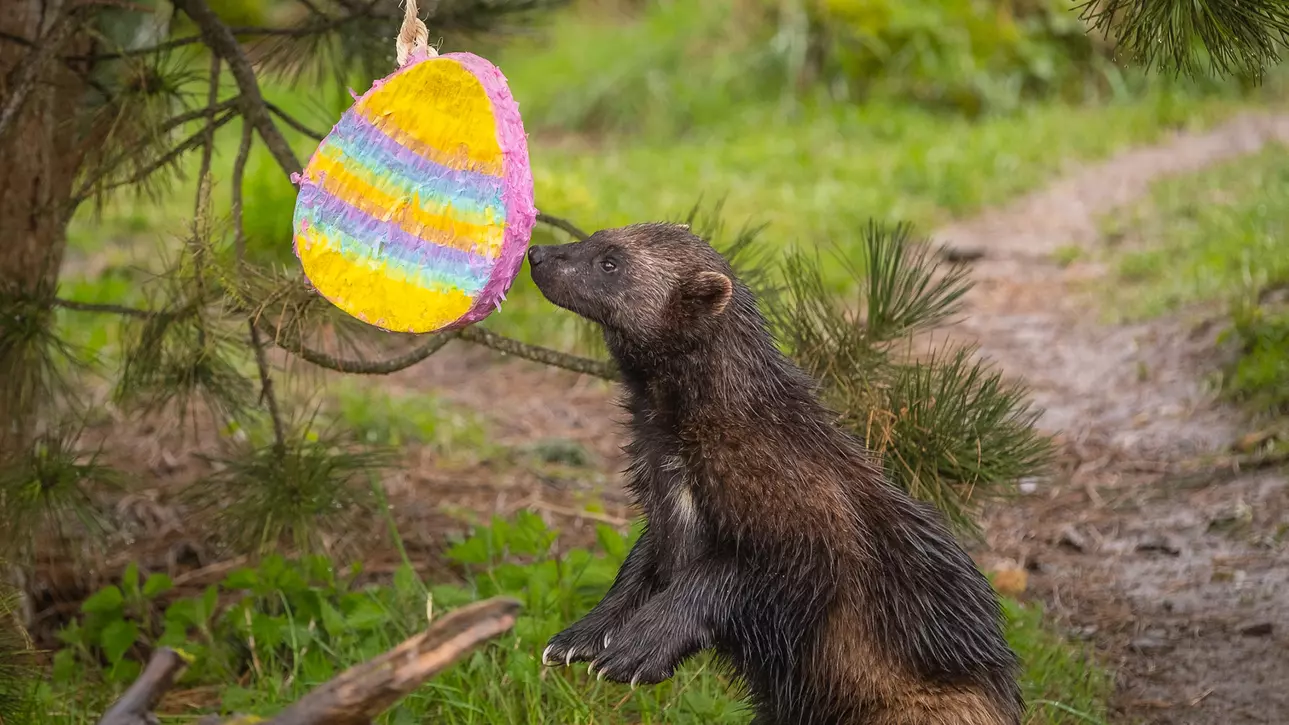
413, 36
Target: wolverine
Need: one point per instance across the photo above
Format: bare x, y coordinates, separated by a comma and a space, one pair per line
772, 536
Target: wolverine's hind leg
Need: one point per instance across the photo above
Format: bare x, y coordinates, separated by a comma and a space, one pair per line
946, 708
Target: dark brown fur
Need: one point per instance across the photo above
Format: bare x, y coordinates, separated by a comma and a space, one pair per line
771, 534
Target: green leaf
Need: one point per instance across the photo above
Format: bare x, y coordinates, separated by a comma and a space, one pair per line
269, 631
117, 638
66, 669
406, 582
156, 585
611, 541
271, 568
185, 613
173, 634
125, 671
104, 601
473, 550
209, 602
73, 633
332, 621
244, 578
130, 582
367, 614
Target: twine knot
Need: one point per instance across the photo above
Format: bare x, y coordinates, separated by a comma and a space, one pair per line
413, 36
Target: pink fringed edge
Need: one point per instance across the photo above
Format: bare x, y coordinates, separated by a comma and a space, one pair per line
521, 214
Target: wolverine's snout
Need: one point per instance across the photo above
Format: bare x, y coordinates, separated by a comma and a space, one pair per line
549, 268
536, 254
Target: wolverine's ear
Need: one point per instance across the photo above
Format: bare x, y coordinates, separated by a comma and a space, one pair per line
709, 292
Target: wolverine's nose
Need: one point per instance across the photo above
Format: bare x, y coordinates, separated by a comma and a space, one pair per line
536, 254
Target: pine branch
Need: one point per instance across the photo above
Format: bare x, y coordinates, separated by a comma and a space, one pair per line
239, 174
222, 41
476, 335
293, 123
537, 353
201, 214
905, 291
1238, 36
328, 26
107, 168
89, 188
363, 367
267, 395
103, 308
48, 488
311, 488
562, 224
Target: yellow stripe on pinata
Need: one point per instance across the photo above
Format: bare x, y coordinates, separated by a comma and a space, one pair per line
337, 178
376, 293
443, 110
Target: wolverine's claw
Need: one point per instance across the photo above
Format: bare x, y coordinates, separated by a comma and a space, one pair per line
546, 660
590, 669
568, 660
600, 675
635, 680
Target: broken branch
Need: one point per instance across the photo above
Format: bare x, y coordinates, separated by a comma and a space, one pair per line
355, 696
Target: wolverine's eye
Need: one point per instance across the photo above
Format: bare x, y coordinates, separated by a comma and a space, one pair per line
608, 265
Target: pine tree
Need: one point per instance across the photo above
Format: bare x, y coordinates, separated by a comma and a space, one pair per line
1194, 37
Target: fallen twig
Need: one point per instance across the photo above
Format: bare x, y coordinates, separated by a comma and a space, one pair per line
355, 696
135, 706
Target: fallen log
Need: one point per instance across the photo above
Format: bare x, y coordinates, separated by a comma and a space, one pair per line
355, 696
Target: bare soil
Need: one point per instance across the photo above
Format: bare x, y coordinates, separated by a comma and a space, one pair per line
1178, 577
1173, 570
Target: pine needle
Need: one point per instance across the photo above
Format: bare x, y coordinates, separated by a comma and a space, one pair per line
309, 493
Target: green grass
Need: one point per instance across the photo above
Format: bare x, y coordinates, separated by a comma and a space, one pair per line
1205, 236
285, 626
1216, 237
380, 417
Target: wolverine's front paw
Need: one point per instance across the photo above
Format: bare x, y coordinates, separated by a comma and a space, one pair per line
641, 658
582, 642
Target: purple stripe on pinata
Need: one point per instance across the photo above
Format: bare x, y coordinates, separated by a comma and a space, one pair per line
383, 240
518, 194
360, 139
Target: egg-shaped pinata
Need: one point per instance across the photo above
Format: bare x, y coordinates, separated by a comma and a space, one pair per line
415, 212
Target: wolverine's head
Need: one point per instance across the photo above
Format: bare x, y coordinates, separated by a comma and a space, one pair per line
644, 282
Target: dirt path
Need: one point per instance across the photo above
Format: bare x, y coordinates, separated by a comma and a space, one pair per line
1179, 578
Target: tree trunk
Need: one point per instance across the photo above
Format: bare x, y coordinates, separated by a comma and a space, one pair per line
41, 152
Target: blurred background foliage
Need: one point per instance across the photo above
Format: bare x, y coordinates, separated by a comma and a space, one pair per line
807, 131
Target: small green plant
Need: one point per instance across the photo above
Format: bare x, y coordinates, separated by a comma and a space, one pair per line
1259, 378
1063, 684
1067, 254
119, 620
